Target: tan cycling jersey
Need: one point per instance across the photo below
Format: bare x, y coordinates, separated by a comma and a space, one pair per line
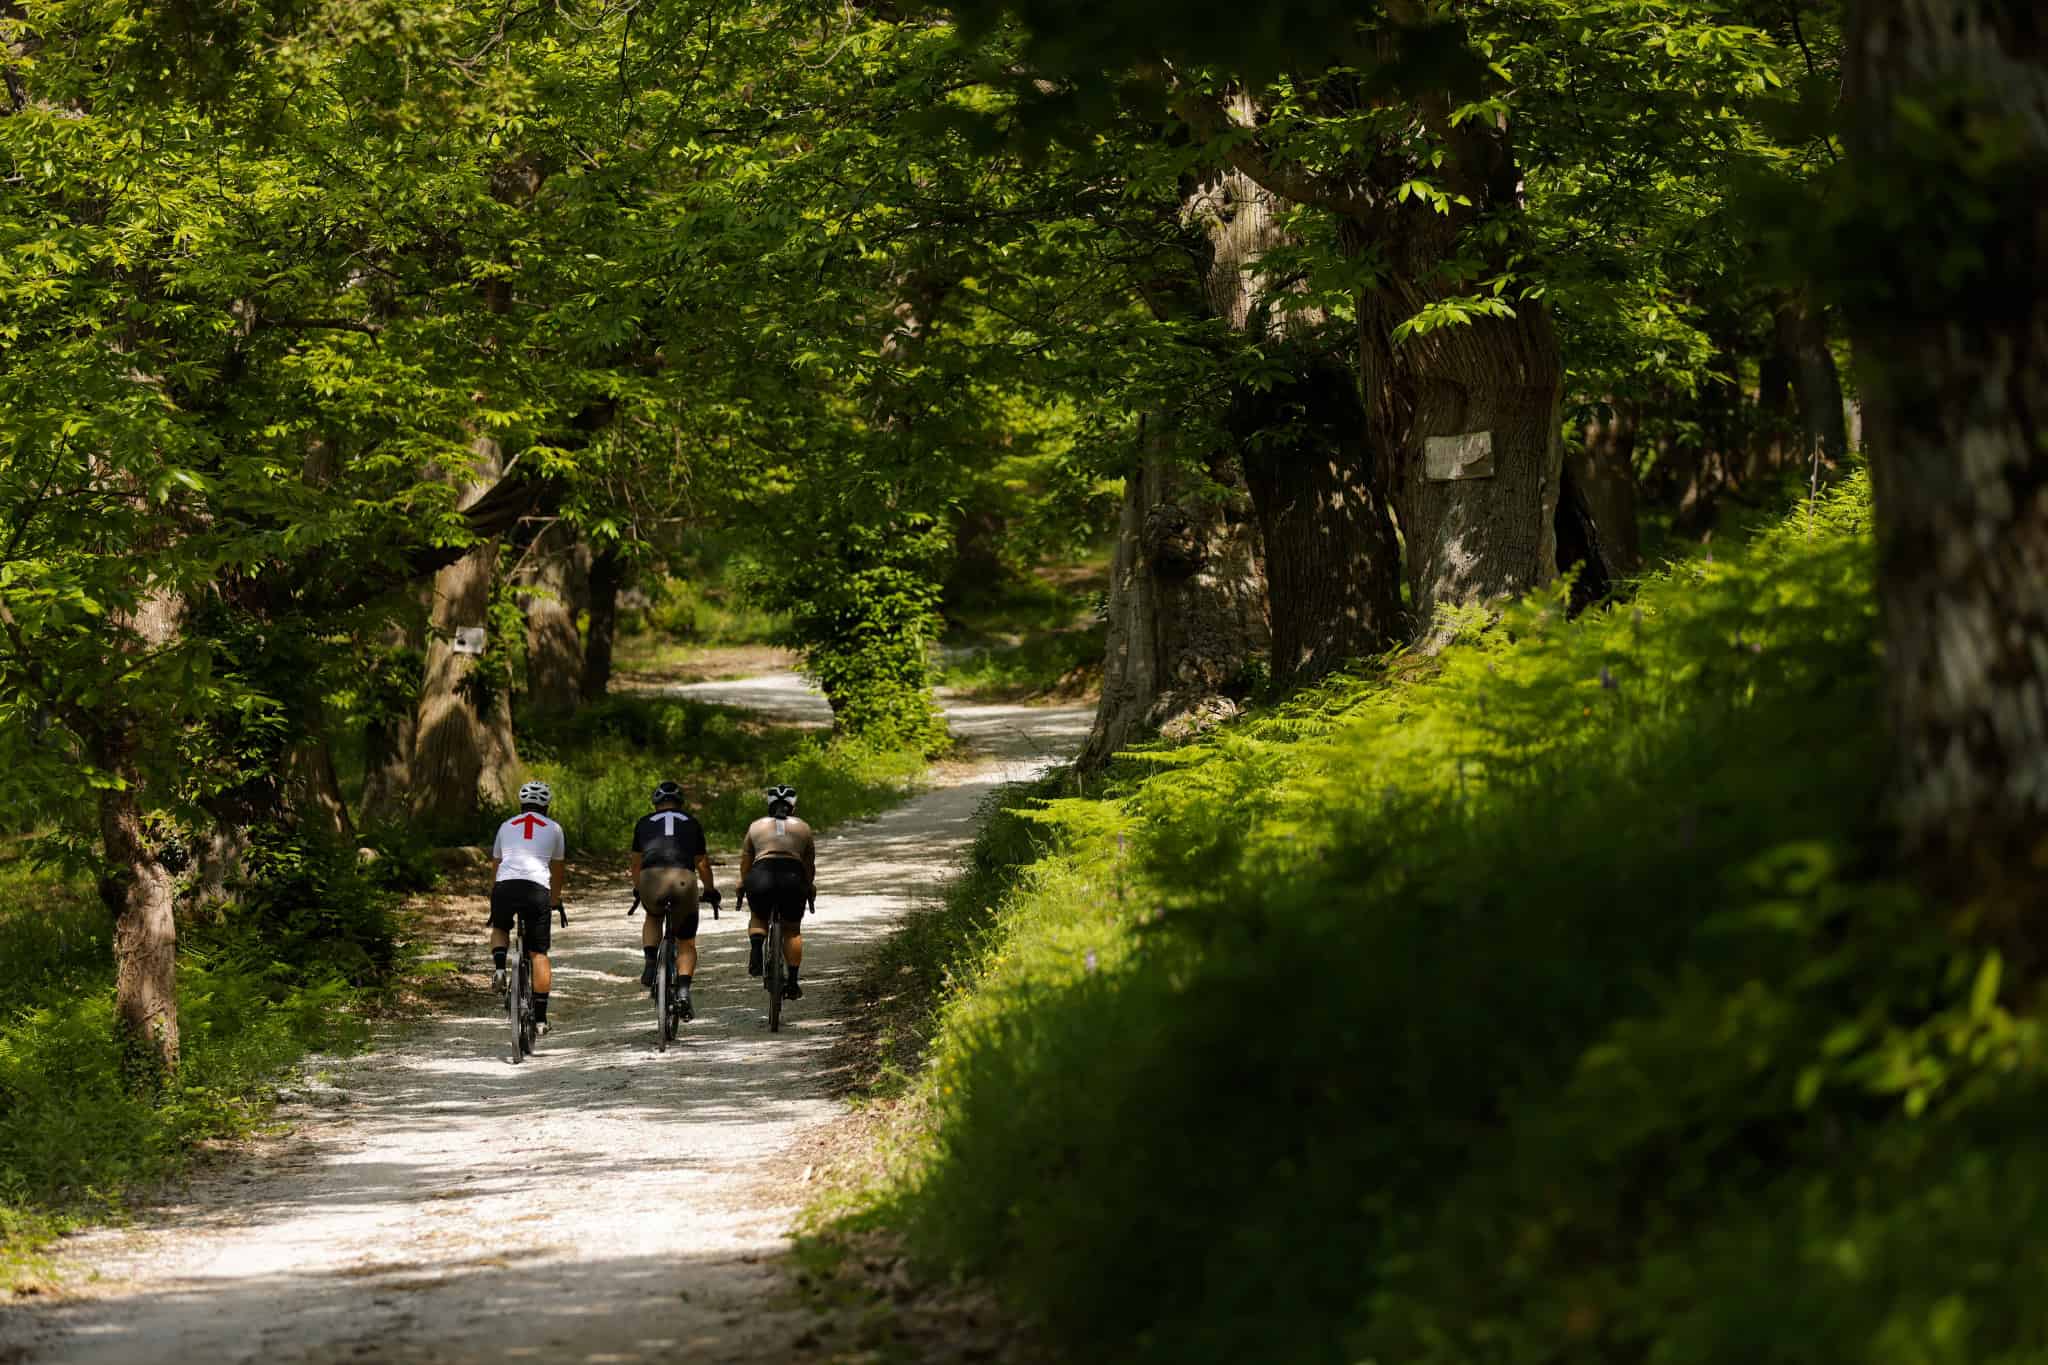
779, 837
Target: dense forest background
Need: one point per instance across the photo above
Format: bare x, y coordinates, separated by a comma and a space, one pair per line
1553, 489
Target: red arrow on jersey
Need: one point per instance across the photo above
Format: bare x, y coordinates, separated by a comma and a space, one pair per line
528, 822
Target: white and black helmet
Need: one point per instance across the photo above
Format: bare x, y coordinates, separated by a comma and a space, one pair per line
536, 794
782, 796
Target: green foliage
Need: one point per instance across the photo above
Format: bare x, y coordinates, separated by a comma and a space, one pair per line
1572, 956
263, 978
1033, 667
604, 760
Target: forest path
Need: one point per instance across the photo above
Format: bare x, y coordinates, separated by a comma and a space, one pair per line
603, 1202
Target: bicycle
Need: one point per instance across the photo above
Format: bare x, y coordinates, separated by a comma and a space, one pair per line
668, 995
774, 964
519, 991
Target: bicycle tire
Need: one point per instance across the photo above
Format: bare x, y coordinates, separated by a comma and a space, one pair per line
664, 973
513, 991
529, 1027
774, 976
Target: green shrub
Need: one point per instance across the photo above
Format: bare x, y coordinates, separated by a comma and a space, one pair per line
1550, 1000
263, 978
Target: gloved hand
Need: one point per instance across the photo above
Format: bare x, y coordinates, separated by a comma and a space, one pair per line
712, 898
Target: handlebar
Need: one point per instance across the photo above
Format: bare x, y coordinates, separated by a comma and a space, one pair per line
634, 908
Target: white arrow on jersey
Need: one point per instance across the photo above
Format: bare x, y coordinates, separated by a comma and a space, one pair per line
668, 819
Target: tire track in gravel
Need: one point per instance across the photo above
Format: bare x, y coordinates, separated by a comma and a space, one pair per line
604, 1203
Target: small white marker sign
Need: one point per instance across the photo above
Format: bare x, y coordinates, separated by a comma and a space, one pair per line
469, 639
1468, 456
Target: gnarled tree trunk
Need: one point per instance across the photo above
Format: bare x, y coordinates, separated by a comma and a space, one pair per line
1187, 606
1473, 413
554, 646
1956, 394
1332, 561
463, 750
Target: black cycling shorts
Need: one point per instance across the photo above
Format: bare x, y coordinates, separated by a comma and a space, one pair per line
778, 886
531, 902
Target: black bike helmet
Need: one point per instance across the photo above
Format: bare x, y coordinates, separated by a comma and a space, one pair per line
667, 792
782, 796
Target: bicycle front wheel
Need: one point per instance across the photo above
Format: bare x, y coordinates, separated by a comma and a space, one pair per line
774, 975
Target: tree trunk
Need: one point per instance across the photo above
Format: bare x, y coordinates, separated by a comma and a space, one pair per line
1332, 560
1186, 609
1333, 563
554, 648
607, 577
312, 790
1474, 414
463, 750
1802, 338
392, 698
1596, 507
1956, 387
139, 894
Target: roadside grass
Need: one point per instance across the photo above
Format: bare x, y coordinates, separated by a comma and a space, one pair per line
262, 980
1062, 663
1550, 999
604, 760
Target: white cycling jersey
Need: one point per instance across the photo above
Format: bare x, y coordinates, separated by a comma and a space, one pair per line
525, 845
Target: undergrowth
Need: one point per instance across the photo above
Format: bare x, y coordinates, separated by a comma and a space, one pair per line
604, 760
1553, 999
1037, 666
262, 978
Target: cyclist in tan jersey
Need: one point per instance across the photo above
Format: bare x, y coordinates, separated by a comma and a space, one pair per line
779, 869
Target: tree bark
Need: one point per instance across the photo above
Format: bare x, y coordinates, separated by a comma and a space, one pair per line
392, 697
607, 577
312, 790
554, 647
1956, 393
139, 894
1332, 560
464, 754
1802, 339
1597, 530
1187, 607
1496, 383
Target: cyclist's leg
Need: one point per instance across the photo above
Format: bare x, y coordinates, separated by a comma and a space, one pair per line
539, 927
682, 925
503, 907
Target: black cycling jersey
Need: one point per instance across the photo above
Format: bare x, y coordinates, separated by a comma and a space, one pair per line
669, 838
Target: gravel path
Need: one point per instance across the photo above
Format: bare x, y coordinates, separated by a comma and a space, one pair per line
604, 1203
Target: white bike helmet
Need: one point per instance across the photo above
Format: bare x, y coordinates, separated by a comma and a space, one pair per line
782, 796
536, 794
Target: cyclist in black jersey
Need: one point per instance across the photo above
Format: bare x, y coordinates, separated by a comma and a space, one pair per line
668, 847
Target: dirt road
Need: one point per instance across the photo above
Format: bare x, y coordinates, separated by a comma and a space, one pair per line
601, 1203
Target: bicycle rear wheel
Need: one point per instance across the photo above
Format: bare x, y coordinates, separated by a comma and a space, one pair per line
529, 1028
515, 993
664, 982
774, 975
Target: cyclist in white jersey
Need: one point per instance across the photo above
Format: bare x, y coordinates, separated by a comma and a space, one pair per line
526, 869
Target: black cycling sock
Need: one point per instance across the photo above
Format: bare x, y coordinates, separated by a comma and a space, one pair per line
792, 971
651, 953
540, 1007
683, 982
498, 958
